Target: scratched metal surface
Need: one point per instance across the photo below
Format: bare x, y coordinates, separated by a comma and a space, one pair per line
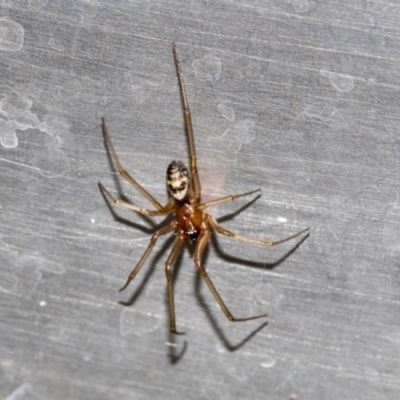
298, 98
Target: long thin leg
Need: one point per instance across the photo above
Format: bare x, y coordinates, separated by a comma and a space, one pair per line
132, 207
232, 235
224, 199
125, 174
189, 128
201, 244
162, 231
168, 271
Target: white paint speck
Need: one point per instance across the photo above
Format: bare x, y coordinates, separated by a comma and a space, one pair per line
11, 35
220, 349
282, 219
266, 297
16, 108
42, 303
133, 321
177, 344
392, 334
217, 76
208, 67
269, 362
38, 3
56, 46
92, 220
227, 111
55, 125
322, 113
232, 139
7, 108
301, 6
235, 365
341, 82
8, 136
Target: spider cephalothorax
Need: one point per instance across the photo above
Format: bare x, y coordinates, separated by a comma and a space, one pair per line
178, 181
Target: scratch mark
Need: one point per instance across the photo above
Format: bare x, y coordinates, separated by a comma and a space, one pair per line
24, 392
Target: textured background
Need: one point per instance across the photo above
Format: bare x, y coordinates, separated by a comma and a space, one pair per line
297, 97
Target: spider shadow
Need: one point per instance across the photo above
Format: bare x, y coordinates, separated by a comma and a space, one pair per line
117, 182
255, 264
174, 355
154, 262
124, 221
236, 260
220, 333
246, 262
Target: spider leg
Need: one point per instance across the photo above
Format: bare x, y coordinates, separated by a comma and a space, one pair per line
168, 272
125, 174
224, 199
189, 128
132, 207
162, 231
201, 244
232, 235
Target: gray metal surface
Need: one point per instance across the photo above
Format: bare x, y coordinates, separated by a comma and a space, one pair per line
298, 98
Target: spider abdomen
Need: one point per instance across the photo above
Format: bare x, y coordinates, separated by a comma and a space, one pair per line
178, 182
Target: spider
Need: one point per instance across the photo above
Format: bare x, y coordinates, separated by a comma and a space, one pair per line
190, 222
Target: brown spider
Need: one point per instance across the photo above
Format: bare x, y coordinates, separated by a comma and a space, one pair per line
191, 222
